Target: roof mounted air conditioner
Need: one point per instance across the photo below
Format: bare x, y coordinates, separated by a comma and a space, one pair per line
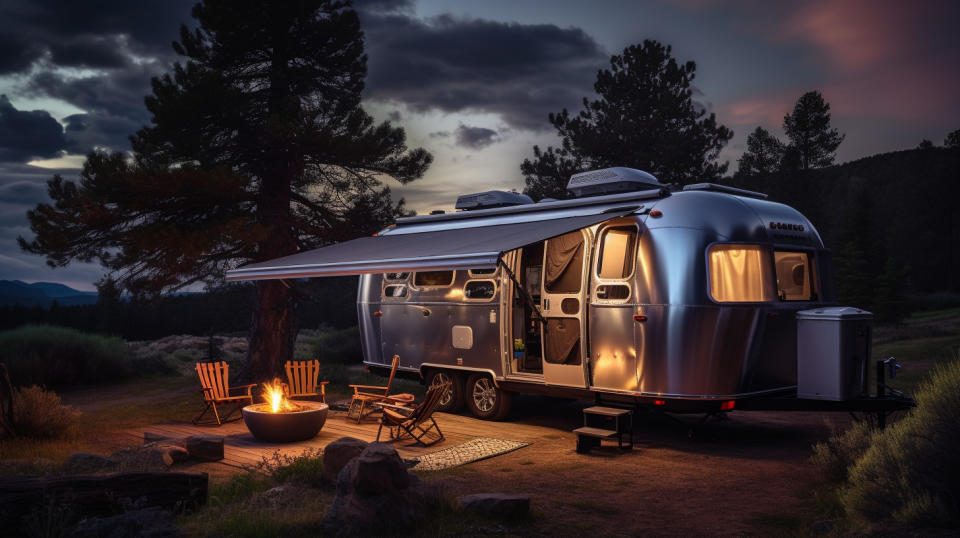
611, 181
490, 199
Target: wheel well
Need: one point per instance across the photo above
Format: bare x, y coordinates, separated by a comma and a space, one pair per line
462, 372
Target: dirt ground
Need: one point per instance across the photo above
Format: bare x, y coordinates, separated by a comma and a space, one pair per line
747, 475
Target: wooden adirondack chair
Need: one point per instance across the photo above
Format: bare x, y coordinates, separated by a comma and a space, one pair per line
302, 380
401, 420
215, 383
364, 396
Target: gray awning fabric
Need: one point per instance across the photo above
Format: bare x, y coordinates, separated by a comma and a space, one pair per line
440, 250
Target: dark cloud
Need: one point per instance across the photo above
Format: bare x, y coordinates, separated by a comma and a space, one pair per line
521, 72
120, 93
476, 137
23, 192
87, 131
92, 33
27, 135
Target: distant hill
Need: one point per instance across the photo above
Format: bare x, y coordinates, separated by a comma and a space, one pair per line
900, 206
42, 294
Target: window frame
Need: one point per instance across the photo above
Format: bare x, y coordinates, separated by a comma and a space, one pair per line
385, 297
404, 279
599, 257
771, 284
471, 274
413, 280
811, 264
496, 288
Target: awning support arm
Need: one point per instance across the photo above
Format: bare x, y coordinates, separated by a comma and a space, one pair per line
523, 292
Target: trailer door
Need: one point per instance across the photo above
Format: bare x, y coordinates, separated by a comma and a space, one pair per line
562, 305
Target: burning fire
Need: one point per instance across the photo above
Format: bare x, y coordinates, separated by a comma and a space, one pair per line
274, 395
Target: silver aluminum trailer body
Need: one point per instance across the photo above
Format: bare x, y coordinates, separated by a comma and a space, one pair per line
657, 333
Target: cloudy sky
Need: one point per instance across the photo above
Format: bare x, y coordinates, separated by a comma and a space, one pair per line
473, 82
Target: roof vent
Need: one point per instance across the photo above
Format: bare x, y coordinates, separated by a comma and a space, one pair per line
611, 181
489, 199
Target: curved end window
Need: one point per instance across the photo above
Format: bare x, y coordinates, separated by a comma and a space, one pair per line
795, 279
433, 278
740, 274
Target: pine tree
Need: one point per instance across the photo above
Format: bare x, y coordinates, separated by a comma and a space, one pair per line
952, 140
259, 148
645, 118
763, 156
809, 131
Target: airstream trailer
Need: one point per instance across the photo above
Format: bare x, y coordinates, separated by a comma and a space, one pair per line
628, 292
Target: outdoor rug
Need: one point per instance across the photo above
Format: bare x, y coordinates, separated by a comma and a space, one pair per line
477, 449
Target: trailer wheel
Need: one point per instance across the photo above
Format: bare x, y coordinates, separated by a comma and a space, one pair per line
485, 400
452, 401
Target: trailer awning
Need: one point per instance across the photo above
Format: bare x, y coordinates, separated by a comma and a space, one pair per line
439, 250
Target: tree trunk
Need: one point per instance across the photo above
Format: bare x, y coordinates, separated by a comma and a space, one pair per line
273, 332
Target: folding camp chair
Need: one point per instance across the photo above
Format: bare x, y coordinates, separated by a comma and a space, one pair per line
215, 383
364, 396
302, 380
401, 420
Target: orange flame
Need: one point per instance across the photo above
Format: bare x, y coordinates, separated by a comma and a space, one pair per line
273, 393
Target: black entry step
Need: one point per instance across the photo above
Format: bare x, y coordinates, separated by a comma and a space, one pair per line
600, 422
606, 411
599, 433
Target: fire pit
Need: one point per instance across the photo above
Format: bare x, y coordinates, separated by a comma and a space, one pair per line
281, 420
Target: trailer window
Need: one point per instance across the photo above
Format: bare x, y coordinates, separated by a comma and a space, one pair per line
482, 272
795, 281
433, 278
618, 247
475, 290
397, 290
395, 276
740, 274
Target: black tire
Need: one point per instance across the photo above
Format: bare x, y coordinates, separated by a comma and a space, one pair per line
453, 399
485, 400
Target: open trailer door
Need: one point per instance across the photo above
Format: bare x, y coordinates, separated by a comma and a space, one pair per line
563, 307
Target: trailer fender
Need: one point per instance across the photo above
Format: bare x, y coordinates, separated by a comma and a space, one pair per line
435, 366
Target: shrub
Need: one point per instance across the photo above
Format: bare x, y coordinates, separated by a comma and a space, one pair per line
58, 357
835, 456
305, 468
911, 473
38, 414
338, 346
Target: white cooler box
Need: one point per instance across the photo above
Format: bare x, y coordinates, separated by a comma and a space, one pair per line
833, 352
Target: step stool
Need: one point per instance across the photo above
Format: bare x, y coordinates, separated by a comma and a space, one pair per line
597, 424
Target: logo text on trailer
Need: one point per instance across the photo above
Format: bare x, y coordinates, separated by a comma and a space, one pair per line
787, 226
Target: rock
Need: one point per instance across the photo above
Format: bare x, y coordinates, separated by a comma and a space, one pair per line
282, 496
173, 453
84, 462
376, 495
147, 523
143, 458
496, 505
822, 526
337, 454
205, 447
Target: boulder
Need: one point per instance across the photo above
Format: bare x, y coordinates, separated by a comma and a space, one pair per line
172, 452
376, 495
205, 447
143, 458
337, 454
280, 497
147, 523
84, 462
496, 505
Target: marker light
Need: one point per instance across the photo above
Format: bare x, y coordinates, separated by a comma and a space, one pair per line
727, 405
656, 213
659, 402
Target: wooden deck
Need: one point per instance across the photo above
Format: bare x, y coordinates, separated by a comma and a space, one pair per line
241, 449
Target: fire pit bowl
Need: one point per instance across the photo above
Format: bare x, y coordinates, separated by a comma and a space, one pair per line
285, 426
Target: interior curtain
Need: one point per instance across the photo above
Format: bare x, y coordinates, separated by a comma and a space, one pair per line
563, 253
